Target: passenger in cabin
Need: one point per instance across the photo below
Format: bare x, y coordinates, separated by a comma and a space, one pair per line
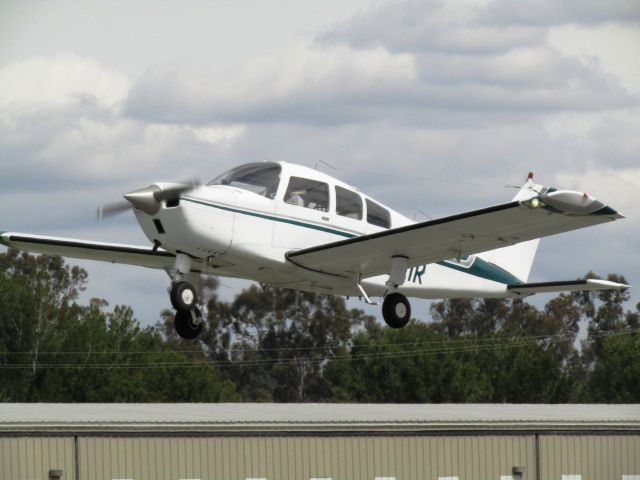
295, 198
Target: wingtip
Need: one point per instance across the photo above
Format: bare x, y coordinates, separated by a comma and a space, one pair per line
607, 211
606, 284
4, 238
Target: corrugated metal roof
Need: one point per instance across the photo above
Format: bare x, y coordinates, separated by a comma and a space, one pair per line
317, 417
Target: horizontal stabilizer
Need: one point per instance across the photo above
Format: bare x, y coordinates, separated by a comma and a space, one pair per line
565, 286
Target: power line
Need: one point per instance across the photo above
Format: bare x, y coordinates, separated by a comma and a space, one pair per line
558, 337
518, 342
568, 336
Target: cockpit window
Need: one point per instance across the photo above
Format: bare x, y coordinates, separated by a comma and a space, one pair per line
261, 178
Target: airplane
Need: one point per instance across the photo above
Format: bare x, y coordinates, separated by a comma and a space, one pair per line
291, 226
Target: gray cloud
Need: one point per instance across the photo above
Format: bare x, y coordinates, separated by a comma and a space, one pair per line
419, 26
449, 27
410, 62
550, 12
530, 82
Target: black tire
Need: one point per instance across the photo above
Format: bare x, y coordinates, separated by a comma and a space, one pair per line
183, 296
185, 325
396, 310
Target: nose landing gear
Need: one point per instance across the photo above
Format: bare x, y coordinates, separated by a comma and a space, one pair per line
183, 296
188, 323
188, 318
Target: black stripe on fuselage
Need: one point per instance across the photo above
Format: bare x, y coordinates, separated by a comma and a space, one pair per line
561, 283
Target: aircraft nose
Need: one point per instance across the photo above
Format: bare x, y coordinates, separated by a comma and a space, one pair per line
144, 199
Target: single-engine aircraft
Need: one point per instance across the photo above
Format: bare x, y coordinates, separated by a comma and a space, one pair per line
291, 226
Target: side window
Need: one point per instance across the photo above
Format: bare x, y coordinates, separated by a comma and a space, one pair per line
377, 215
307, 193
348, 203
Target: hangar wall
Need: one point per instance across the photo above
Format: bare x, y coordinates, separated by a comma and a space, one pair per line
303, 457
337, 446
33, 457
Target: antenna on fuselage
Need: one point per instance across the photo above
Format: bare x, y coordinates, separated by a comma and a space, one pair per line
415, 214
325, 163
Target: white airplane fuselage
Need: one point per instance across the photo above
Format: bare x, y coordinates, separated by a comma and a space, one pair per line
291, 226
238, 233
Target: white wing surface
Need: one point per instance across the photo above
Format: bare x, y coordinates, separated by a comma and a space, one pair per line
456, 236
105, 252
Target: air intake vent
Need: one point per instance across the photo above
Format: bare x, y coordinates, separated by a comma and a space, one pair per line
158, 225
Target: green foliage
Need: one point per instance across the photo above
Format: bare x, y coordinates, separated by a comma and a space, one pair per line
270, 344
52, 349
277, 346
616, 373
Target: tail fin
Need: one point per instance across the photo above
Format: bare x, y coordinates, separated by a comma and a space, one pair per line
517, 259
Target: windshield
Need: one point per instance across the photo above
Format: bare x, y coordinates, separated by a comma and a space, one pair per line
261, 178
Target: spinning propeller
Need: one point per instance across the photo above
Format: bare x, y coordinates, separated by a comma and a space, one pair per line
148, 199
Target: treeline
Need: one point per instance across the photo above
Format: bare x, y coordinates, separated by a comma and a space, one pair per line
269, 346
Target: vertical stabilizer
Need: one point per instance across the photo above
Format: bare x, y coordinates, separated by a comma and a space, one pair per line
517, 259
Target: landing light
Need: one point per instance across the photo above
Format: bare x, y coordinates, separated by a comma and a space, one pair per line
535, 202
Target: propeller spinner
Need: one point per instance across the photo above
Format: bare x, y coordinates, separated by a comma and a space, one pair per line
148, 199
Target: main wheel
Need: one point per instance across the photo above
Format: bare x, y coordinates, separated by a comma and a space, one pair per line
396, 310
183, 296
188, 324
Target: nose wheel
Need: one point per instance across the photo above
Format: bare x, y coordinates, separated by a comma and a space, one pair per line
396, 310
188, 323
188, 318
183, 296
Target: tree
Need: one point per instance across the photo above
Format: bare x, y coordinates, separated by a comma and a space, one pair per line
413, 364
52, 349
276, 343
270, 344
616, 372
36, 306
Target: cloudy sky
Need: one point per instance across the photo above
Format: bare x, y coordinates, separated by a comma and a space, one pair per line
433, 106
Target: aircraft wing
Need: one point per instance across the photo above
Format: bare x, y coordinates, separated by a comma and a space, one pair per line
105, 252
456, 236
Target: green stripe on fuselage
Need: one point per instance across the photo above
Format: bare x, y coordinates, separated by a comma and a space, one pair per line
479, 268
483, 269
273, 218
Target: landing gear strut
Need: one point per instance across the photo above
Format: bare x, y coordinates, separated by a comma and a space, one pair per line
396, 310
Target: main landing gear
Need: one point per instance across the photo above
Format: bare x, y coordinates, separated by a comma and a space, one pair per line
188, 318
396, 310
